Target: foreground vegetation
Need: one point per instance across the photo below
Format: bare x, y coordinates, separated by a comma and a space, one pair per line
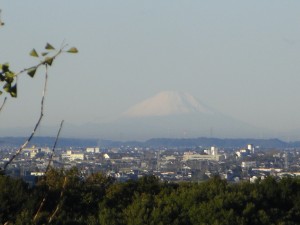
62, 197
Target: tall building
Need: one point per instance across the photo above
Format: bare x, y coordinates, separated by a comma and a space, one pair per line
250, 148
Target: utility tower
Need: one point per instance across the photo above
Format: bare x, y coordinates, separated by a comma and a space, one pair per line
158, 160
286, 161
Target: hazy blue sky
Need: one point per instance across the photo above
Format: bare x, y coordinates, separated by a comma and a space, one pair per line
240, 57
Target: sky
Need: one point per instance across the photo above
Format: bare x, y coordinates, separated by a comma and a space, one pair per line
239, 57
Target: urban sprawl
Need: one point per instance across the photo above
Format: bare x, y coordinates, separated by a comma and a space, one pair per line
169, 164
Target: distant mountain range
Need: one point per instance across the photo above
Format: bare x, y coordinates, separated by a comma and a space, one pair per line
155, 142
48, 142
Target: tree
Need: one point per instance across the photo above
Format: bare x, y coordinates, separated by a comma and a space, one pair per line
12, 203
13, 194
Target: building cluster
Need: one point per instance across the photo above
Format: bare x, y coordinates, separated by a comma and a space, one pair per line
175, 164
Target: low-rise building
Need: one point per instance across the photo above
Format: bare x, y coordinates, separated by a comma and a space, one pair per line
92, 150
72, 156
248, 164
211, 155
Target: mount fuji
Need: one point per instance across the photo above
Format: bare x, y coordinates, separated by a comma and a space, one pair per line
168, 103
171, 114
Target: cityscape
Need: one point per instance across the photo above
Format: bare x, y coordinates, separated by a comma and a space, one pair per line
171, 164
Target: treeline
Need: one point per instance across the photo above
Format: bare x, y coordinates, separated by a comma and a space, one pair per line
63, 197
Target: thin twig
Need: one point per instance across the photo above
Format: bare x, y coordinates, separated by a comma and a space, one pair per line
36, 126
3, 104
59, 203
40, 208
54, 146
50, 160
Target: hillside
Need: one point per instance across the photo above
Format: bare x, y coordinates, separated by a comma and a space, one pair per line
98, 199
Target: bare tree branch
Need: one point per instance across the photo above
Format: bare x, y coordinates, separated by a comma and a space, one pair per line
3, 104
40, 208
60, 202
50, 160
54, 146
36, 126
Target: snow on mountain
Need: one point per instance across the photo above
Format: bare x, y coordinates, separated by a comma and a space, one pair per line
168, 103
174, 114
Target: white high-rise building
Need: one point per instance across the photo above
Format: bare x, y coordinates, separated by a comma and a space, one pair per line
250, 148
214, 150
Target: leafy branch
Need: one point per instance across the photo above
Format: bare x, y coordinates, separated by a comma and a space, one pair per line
36, 125
46, 57
10, 85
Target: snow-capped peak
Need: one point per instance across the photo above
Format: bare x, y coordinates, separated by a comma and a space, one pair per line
167, 103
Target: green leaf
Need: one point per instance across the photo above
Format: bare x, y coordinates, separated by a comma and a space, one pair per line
1, 92
9, 77
9, 74
48, 61
34, 53
5, 67
73, 50
32, 71
6, 87
49, 47
13, 91
45, 53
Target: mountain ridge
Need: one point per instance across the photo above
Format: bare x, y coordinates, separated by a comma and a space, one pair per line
154, 142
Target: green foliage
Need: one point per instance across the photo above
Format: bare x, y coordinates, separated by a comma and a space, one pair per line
98, 199
8, 78
73, 50
49, 47
13, 195
139, 211
33, 53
